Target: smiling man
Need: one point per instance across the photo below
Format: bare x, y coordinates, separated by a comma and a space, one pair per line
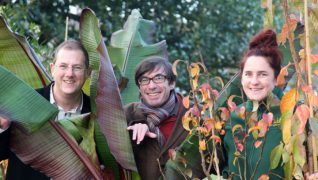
156, 121
70, 69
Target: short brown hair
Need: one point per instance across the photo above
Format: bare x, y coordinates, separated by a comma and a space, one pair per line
149, 64
72, 44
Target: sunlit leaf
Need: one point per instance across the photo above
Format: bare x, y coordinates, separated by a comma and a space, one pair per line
288, 101
286, 131
174, 66
302, 112
186, 121
263, 177
281, 77
282, 37
288, 168
195, 69
195, 82
240, 147
237, 126
218, 125
186, 101
257, 143
202, 145
225, 114
231, 105
253, 129
216, 138
276, 156
255, 106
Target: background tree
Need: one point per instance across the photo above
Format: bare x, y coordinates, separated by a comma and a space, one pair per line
216, 31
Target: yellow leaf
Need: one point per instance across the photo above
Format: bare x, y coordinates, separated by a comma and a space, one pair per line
253, 129
188, 172
288, 101
202, 145
195, 69
286, 131
316, 72
174, 67
186, 102
236, 127
186, 120
195, 82
218, 125
221, 81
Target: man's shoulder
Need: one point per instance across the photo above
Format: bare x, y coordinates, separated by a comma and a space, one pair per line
45, 91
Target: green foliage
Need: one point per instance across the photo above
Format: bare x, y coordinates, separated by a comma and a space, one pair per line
215, 30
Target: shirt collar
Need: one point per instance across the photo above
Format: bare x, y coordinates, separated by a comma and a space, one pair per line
74, 110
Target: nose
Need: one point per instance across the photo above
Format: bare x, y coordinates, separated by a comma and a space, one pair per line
254, 80
152, 84
69, 71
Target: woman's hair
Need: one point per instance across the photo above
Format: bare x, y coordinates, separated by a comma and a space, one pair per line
264, 44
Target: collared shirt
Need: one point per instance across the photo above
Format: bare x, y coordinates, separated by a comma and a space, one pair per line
64, 114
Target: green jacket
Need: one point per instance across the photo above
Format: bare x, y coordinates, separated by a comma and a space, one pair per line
251, 162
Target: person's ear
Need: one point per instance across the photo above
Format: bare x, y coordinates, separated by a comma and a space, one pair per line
172, 85
52, 68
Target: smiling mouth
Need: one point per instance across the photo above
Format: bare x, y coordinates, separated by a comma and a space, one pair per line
153, 94
69, 81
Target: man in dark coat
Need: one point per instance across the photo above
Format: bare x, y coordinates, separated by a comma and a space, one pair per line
70, 69
156, 121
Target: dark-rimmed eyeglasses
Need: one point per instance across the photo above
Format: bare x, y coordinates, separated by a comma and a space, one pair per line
159, 78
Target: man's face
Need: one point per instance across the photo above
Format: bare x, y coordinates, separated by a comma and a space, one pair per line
155, 94
69, 72
257, 78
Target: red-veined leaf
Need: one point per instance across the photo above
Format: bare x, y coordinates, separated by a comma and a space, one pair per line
302, 112
186, 101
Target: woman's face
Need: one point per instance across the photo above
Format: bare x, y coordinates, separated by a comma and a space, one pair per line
257, 78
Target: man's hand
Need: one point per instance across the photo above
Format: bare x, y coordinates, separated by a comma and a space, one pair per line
4, 123
140, 131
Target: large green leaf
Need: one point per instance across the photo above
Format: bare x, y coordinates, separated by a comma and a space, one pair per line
17, 56
22, 104
33, 139
130, 46
105, 97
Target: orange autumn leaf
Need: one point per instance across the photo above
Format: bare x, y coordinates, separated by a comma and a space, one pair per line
216, 138
257, 143
315, 101
195, 69
186, 121
195, 82
281, 77
286, 131
202, 145
218, 125
302, 112
174, 67
231, 104
264, 177
206, 91
282, 37
316, 72
288, 101
225, 114
186, 101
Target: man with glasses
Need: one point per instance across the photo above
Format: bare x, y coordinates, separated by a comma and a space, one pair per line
156, 121
70, 69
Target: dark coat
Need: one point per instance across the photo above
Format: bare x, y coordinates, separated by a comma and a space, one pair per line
16, 168
148, 151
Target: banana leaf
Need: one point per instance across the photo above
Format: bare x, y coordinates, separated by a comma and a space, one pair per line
16, 56
129, 46
33, 136
105, 96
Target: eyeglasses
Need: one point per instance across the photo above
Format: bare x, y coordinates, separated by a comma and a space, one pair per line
159, 78
76, 68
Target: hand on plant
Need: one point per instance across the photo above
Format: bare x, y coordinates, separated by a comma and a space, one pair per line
140, 131
4, 123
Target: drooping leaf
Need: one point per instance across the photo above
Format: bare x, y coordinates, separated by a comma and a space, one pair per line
302, 112
288, 101
299, 154
130, 46
195, 70
231, 105
287, 131
174, 66
186, 121
17, 56
33, 138
237, 126
186, 102
276, 156
281, 77
105, 96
